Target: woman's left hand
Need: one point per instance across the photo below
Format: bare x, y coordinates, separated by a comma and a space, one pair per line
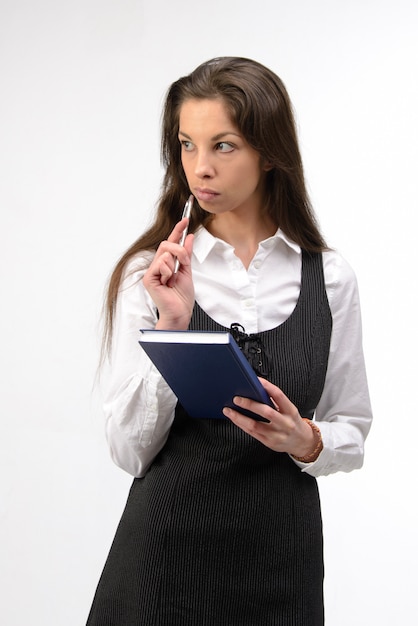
285, 430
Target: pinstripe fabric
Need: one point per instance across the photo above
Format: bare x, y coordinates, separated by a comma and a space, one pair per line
222, 530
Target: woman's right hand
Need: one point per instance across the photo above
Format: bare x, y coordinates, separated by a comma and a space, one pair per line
173, 294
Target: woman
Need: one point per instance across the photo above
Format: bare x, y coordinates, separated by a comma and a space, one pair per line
223, 522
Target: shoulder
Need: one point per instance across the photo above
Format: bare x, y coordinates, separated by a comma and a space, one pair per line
133, 302
135, 268
340, 278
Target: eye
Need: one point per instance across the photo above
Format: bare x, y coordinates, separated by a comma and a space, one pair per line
224, 146
186, 145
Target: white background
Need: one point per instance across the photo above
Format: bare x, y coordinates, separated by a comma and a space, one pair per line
81, 88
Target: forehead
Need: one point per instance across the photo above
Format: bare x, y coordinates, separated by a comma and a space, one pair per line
205, 113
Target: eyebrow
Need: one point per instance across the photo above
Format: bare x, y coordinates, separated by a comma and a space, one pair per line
215, 138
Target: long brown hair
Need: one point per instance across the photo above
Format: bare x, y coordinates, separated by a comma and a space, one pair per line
260, 107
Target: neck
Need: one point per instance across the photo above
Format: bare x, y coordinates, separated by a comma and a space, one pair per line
243, 234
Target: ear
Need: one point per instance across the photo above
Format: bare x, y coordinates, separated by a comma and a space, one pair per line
266, 166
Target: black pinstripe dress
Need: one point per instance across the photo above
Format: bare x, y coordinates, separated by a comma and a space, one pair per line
222, 531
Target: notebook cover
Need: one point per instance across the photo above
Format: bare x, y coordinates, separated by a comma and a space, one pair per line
204, 376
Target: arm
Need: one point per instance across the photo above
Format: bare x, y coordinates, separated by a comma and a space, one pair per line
139, 405
343, 414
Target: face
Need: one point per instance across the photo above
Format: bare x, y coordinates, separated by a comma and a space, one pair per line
223, 171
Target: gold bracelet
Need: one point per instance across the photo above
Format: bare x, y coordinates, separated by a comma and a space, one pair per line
310, 458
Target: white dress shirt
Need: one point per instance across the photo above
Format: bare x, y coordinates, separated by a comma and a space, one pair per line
139, 405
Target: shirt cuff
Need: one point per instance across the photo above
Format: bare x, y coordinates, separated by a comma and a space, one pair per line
343, 450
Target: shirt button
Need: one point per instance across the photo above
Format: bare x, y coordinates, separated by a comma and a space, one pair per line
257, 265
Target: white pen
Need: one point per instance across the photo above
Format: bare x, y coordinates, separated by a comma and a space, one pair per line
186, 213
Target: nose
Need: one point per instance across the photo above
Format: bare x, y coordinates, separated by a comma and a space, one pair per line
203, 165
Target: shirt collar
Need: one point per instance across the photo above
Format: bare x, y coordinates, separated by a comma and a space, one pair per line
204, 243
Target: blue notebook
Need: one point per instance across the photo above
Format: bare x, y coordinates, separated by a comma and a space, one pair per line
205, 370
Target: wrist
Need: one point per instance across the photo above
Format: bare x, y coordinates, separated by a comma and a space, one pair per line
316, 445
173, 323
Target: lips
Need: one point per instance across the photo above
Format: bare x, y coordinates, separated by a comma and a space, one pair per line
205, 195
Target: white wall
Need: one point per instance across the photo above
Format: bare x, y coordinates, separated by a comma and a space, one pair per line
81, 89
